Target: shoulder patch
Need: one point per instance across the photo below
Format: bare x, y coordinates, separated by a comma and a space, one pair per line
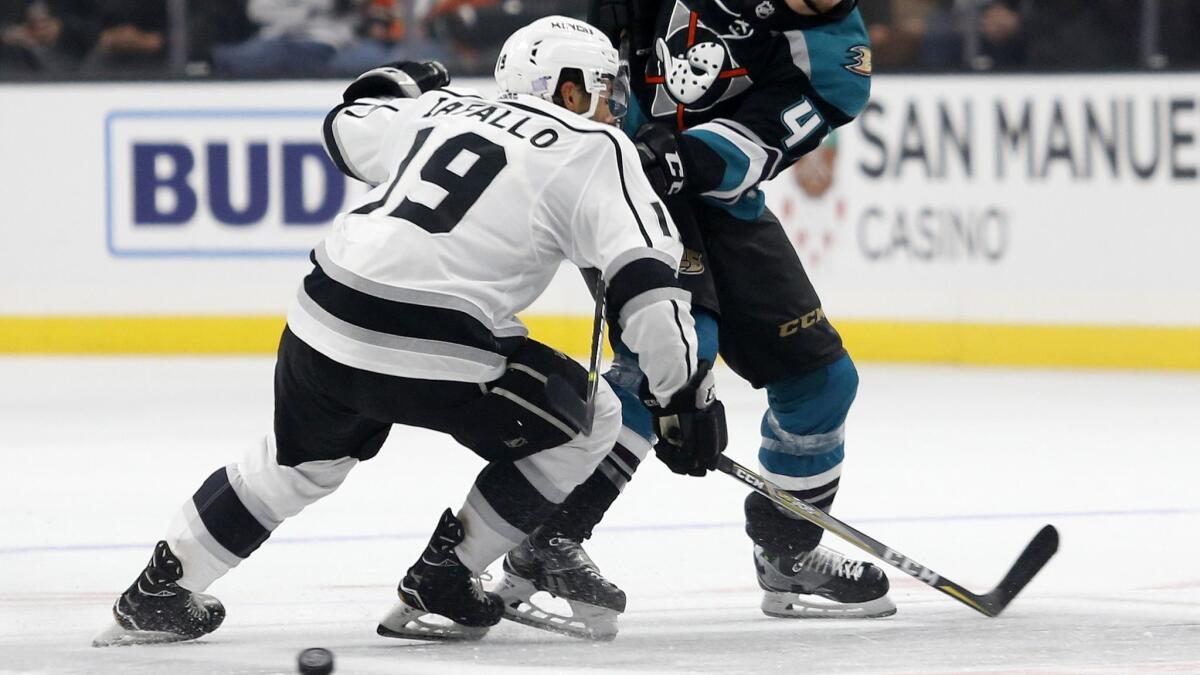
860, 63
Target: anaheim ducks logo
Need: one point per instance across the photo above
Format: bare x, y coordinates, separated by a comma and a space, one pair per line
695, 69
691, 263
861, 64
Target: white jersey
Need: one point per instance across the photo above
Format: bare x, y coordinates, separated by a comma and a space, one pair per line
475, 204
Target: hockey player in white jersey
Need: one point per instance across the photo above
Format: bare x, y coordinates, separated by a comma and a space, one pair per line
408, 317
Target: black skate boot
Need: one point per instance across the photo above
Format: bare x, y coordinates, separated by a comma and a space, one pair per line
558, 565
156, 609
439, 583
821, 583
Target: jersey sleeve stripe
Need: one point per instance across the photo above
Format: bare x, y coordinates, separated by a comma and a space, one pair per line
662, 218
745, 161
821, 54
774, 155
687, 346
650, 297
618, 263
634, 279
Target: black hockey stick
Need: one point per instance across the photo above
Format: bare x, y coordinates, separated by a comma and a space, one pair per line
579, 412
1030, 562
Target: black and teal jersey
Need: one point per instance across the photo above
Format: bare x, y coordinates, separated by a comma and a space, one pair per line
748, 102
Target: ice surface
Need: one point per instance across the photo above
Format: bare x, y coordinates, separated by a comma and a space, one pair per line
956, 468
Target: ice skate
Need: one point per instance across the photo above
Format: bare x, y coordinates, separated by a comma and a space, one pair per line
821, 583
560, 567
156, 609
439, 584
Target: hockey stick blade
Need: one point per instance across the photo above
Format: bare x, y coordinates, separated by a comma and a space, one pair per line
1029, 563
1035, 556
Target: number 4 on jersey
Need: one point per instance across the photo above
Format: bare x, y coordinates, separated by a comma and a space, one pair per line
801, 121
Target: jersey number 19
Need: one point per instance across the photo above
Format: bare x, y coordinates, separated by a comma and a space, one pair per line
464, 166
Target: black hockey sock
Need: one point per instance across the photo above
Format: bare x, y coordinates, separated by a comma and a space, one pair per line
583, 509
775, 531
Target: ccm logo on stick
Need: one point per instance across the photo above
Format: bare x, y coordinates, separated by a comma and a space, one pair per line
749, 479
910, 568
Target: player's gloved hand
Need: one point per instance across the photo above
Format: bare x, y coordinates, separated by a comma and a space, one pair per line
776, 15
612, 17
658, 149
402, 79
691, 427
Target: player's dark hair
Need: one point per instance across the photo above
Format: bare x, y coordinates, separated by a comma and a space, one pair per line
573, 75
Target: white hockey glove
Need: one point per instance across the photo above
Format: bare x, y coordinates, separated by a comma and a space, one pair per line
403, 79
691, 427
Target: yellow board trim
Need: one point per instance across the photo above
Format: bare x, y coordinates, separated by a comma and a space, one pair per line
1171, 348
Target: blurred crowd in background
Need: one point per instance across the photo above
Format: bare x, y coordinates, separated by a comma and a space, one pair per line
99, 39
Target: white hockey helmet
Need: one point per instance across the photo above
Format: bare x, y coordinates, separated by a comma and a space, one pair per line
533, 58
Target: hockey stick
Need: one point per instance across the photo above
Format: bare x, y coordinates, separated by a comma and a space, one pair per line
579, 412
1030, 562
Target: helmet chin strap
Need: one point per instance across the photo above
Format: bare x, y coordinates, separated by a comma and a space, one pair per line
591, 113
592, 106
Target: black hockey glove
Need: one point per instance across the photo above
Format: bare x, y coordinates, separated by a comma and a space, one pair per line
402, 79
691, 427
777, 16
662, 162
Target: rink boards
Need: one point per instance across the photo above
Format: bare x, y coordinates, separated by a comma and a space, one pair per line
994, 220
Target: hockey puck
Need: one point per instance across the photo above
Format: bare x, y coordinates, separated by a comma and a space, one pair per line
315, 661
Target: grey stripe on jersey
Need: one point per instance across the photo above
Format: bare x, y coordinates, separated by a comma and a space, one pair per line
425, 298
798, 46
389, 354
687, 347
647, 298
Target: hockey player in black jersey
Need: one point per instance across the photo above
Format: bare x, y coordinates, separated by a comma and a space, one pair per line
728, 93
408, 317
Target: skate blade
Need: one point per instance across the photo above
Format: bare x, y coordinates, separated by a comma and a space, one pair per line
783, 605
117, 635
410, 623
586, 622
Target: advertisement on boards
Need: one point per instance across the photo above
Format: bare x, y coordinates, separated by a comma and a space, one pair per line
1056, 199
1006, 199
